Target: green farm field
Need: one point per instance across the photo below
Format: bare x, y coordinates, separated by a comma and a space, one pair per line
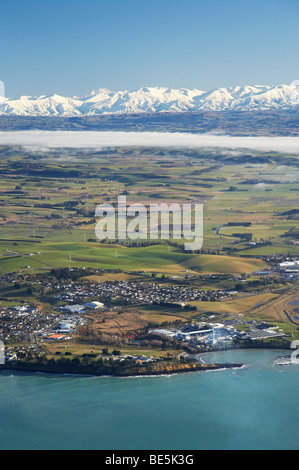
159, 259
48, 201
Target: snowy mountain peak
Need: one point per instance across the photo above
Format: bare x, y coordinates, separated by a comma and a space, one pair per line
155, 100
99, 91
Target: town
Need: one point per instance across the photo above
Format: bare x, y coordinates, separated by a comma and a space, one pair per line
135, 292
27, 329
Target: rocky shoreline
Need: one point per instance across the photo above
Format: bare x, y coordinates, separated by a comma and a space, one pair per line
168, 369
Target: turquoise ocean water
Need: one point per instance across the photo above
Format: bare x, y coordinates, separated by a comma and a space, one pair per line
256, 407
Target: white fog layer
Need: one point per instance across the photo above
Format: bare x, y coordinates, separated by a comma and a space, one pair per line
99, 140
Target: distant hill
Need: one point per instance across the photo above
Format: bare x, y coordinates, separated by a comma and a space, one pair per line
259, 123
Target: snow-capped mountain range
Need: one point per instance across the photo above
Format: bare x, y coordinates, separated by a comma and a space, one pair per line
155, 100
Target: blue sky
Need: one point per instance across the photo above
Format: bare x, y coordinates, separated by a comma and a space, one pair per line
70, 47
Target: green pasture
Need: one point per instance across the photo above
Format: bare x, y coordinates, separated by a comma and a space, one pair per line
157, 258
233, 189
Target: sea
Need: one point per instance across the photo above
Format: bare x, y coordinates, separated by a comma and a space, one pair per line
252, 408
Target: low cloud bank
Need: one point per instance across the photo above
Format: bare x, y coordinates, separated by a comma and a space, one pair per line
101, 140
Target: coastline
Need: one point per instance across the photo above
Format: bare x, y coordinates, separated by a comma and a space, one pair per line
191, 400
134, 372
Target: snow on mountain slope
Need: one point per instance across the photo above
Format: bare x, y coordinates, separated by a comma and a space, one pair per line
153, 100
42, 106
